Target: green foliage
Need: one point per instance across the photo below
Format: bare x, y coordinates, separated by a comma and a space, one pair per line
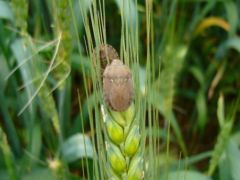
20, 11
73, 149
184, 57
8, 156
181, 175
226, 124
5, 11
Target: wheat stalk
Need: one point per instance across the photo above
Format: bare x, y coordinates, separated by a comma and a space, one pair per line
7, 155
62, 22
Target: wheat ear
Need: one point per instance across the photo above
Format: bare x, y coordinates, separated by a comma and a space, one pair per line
123, 144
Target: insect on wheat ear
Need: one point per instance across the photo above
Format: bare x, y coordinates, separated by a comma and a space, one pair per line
124, 154
118, 85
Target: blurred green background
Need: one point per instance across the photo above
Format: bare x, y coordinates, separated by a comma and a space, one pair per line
188, 64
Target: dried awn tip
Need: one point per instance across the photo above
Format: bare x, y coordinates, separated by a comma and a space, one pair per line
106, 55
118, 85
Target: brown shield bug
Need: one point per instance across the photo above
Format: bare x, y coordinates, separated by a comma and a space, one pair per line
106, 54
118, 85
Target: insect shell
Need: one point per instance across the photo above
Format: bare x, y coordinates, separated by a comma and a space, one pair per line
118, 86
106, 55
